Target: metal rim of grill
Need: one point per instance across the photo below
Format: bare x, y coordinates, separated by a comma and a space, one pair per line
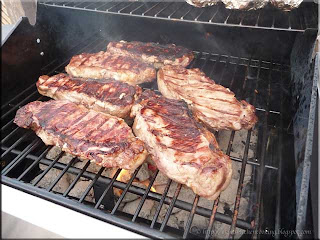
241, 70
297, 20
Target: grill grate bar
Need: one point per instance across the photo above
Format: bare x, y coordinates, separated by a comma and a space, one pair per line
227, 18
205, 61
262, 158
242, 172
34, 163
214, 14
60, 175
15, 144
137, 8
125, 190
10, 134
120, 10
190, 218
183, 16
104, 4
20, 157
278, 200
164, 8
156, 215
108, 188
197, 17
79, 3
91, 185
224, 70
311, 22
212, 218
90, 4
252, 163
171, 206
19, 104
107, 10
76, 179
144, 197
140, 191
16, 97
148, 10
175, 11
216, 202
47, 170
240, 187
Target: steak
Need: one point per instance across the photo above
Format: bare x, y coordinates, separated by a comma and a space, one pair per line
181, 147
107, 65
213, 104
107, 95
101, 138
153, 53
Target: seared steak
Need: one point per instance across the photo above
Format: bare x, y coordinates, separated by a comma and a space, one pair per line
107, 65
213, 104
180, 146
153, 53
107, 95
101, 138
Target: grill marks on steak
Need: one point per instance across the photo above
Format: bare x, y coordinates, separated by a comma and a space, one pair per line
181, 147
106, 95
153, 53
213, 104
107, 65
106, 140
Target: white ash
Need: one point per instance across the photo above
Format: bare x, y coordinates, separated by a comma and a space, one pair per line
47, 180
79, 189
53, 153
143, 173
145, 211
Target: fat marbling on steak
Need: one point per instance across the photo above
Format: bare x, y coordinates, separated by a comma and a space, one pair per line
101, 138
213, 104
181, 147
107, 65
153, 53
106, 95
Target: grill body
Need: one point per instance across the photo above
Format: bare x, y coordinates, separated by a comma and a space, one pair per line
272, 67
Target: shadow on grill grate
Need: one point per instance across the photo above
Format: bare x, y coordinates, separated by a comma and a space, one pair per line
267, 18
172, 209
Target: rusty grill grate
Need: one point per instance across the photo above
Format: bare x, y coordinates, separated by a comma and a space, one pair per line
262, 83
267, 18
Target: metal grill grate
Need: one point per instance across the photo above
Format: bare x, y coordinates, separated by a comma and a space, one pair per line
259, 82
267, 18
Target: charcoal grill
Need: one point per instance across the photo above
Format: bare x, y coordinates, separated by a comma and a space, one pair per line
277, 73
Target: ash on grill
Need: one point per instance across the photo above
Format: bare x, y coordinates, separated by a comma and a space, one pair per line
178, 218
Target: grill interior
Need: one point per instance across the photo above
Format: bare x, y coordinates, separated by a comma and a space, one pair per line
268, 18
259, 82
256, 70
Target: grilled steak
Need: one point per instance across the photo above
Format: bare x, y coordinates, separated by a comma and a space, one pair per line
153, 53
180, 146
101, 138
107, 65
213, 104
107, 95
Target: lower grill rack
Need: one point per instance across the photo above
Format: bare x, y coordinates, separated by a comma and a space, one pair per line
151, 204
